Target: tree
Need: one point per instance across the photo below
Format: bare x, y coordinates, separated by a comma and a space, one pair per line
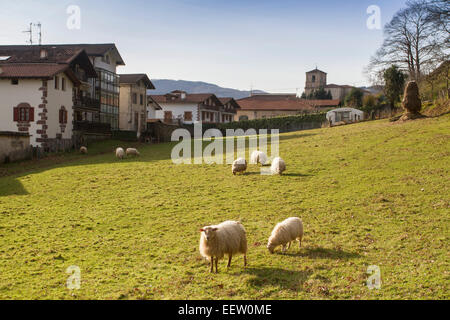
394, 80
354, 98
411, 41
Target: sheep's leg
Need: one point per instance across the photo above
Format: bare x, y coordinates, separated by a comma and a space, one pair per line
217, 260
300, 242
245, 260
283, 249
212, 265
229, 260
289, 246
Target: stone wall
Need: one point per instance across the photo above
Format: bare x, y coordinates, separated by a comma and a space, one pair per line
14, 146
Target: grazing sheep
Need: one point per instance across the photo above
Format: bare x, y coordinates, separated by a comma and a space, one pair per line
226, 238
83, 150
240, 165
133, 152
120, 153
284, 233
258, 157
278, 166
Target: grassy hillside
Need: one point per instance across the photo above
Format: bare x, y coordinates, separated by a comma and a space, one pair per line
372, 193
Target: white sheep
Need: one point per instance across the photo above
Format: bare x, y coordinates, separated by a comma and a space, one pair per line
226, 238
258, 157
83, 150
278, 166
132, 152
240, 165
120, 153
284, 233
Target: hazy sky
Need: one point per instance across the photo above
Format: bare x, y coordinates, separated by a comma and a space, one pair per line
234, 43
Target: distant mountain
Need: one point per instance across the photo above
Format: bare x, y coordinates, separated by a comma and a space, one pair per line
164, 86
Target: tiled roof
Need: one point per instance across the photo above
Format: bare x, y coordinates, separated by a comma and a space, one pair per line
324, 103
190, 98
316, 70
135, 78
31, 70
61, 49
283, 105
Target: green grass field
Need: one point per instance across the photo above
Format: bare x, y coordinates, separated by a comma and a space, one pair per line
372, 193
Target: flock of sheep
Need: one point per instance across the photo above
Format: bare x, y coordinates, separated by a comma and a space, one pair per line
278, 165
229, 238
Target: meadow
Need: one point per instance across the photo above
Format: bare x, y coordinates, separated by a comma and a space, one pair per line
372, 193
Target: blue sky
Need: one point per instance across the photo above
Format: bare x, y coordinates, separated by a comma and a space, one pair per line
267, 44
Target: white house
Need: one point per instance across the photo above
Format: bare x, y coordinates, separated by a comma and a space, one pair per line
347, 115
179, 106
37, 92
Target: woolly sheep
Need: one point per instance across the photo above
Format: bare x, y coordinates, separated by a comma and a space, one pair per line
240, 165
132, 152
226, 238
120, 153
284, 233
258, 157
278, 166
83, 150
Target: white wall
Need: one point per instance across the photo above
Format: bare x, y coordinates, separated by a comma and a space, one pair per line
331, 115
27, 91
178, 110
56, 99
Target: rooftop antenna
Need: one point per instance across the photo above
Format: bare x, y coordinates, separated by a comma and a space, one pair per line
39, 25
30, 31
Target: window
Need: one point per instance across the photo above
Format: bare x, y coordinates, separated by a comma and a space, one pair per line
63, 84
188, 116
243, 118
14, 82
56, 83
134, 98
141, 99
23, 113
313, 78
63, 116
168, 116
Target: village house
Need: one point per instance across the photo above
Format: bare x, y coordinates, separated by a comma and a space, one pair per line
261, 106
38, 90
133, 102
229, 110
181, 107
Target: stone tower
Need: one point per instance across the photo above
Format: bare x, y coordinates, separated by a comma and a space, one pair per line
315, 79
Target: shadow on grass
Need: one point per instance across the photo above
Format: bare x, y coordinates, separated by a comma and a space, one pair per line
285, 279
12, 187
322, 253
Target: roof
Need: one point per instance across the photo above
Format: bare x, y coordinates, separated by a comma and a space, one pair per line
96, 50
135, 78
189, 98
26, 62
332, 85
152, 101
283, 105
316, 70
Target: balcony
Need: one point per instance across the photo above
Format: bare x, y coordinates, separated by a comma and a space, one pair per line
87, 103
92, 127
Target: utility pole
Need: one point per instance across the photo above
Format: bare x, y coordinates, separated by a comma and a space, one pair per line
30, 31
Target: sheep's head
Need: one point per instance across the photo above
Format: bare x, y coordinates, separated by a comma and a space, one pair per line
209, 232
271, 247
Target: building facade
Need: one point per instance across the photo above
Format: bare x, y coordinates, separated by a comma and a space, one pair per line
38, 90
133, 102
181, 107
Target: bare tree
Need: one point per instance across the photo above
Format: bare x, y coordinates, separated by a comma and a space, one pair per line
411, 42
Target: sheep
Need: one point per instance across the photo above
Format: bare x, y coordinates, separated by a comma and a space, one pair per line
120, 153
132, 152
240, 165
226, 238
258, 157
83, 150
284, 233
278, 166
